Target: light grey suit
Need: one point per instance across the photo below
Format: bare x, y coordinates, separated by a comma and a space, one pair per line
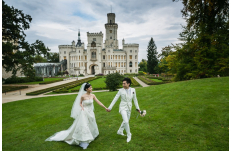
125, 105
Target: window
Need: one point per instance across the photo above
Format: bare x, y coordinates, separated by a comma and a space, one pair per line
130, 56
131, 51
64, 52
64, 57
79, 51
103, 64
135, 50
130, 71
85, 57
130, 64
103, 56
93, 55
108, 50
110, 37
110, 31
94, 39
136, 57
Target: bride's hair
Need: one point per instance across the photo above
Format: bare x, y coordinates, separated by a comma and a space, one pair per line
87, 86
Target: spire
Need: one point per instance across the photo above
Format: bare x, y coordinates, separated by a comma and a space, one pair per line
79, 39
79, 35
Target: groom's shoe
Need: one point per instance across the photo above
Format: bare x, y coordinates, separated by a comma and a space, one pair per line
120, 133
129, 137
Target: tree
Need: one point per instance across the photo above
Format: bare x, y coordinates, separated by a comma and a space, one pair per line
113, 81
205, 51
152, 57
53, 57
143, 65
39, 59
16, 52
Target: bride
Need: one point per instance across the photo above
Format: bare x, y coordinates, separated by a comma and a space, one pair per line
84, 128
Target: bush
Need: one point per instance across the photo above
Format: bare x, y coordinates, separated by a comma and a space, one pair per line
113, 81
141, 73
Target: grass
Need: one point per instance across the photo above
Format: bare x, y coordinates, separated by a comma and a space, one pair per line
156, 80
187, 116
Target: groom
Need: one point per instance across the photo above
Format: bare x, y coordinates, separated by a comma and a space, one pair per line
127, 94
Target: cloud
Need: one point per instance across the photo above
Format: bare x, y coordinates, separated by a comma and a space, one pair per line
56, 22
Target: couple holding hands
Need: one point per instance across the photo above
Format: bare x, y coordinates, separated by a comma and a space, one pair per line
84, 128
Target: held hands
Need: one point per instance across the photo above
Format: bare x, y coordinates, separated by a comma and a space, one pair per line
108, 110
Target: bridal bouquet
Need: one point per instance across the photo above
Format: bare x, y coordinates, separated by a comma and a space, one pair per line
142, 113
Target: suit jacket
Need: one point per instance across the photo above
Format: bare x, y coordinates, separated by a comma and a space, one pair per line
126, 100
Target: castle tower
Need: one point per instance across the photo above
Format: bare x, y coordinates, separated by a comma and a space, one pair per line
111, 32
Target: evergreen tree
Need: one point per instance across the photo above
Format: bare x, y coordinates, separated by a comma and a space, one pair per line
152, 57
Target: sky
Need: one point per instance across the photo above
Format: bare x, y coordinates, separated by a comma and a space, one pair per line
56, 22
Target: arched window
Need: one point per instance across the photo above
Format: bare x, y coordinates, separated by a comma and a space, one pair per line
130, 64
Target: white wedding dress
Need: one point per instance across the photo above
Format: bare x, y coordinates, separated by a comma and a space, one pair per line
83, 130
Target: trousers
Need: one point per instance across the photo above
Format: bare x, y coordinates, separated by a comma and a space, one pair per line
125, 124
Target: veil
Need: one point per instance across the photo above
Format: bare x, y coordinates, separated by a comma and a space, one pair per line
76, 108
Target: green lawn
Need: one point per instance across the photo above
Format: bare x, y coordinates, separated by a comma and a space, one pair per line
182, 116
37, 82
156, 80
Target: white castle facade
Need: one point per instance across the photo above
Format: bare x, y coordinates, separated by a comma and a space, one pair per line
100, 58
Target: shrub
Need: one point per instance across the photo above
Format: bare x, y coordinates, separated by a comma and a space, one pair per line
113, 81
141, 73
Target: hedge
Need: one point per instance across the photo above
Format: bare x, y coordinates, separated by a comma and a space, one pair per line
22, 80
134, 82
12, 88
60, 86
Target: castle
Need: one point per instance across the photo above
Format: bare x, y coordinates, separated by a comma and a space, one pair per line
100, 58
